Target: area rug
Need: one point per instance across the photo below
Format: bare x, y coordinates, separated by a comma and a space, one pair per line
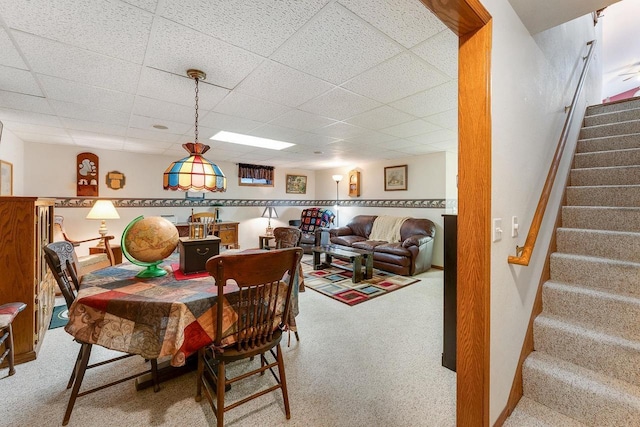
336, 283
60, 317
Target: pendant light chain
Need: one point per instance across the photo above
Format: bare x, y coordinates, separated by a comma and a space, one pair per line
196, 79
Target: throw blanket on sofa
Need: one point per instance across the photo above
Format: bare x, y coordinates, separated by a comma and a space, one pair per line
387, 228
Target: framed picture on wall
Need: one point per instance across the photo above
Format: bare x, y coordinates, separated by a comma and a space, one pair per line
395, 178
297, 184
6, 178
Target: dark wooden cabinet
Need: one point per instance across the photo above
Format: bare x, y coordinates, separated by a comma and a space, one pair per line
194, 253
227, 231
450, 293
26, 224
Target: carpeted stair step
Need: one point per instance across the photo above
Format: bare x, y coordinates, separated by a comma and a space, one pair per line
608, 143
601, 218
618, 245
610, 129
604, 195
626, 157
608, 354
602, 311
616, 175
612, 117
579, 393
529, 413
621, 277
613, 106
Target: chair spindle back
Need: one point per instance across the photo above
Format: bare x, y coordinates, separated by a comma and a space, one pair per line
60, 258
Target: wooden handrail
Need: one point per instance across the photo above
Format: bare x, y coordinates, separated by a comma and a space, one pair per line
523, 253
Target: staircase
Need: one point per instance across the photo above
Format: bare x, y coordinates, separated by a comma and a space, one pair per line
585, 370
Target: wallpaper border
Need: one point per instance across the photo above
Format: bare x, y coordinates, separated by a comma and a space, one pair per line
87, 202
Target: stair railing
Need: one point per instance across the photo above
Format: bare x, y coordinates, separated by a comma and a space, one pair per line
523, 253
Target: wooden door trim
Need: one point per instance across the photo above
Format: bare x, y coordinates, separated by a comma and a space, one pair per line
472, 23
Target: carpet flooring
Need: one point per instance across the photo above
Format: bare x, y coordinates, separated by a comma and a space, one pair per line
60, 317
335, 282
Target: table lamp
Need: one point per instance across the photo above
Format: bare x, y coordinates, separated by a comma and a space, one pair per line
269, 212
103, 210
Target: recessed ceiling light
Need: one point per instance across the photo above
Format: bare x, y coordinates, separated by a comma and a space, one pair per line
254, 141
162, 127
317, 152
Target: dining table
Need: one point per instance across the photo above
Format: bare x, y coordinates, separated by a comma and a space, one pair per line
154, 317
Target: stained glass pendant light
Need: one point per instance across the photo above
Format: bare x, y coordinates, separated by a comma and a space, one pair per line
195, 173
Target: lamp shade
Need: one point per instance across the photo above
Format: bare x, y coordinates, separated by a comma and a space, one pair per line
269, 212
337, 178
103, 209
194, 173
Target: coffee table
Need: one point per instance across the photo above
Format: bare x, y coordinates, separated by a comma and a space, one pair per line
358, 257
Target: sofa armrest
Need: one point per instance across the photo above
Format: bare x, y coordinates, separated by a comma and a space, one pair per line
416, 240
341, 231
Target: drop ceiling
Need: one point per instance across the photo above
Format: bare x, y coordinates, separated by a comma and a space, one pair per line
347, 81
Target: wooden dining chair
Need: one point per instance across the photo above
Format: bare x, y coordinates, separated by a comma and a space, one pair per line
60, 258
289, 237
208, 218
8, 312
261, 305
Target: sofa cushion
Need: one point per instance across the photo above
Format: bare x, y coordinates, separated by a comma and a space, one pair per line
362, 226
368, 245
394, 249
347, 240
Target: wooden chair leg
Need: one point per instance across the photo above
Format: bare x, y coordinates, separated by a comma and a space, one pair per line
220, 383
9, 345
283, 381
84, 361
75, 368
297, 337
200, 374
154, 375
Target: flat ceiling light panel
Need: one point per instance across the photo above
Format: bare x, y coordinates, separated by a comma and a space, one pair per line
254, 141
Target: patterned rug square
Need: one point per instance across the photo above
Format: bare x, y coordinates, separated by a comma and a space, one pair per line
60, 317
336, 283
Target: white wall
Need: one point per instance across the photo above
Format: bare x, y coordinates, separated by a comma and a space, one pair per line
426, 180
533, 78
12, 151
52, 173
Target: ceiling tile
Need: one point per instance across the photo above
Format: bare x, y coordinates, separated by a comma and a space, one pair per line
396, 78
10, 56
72, 63
111, 28
90, 113
89, 138
95, 127
435, 100
17, 80
18, 127
178, 89
315, 140
156, 135
282, 84
336, 46
145, 146
258, 25
146, 123
341, 130
407, 21
29, 117
418, 149
237, 104
441, 51
446, 119
380, 117
435, 137
301, 120
339, 104
412, 128
149, 5
103, 144
45, 138
164, 110
224, 64
371, 137
278, 133
219, 122
80, 93
19, 101
398, 144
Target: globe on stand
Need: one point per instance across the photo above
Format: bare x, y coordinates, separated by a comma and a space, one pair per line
148, 241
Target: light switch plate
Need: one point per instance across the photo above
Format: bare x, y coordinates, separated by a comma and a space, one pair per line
497, 229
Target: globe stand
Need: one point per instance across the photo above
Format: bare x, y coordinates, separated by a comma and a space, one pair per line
152, 270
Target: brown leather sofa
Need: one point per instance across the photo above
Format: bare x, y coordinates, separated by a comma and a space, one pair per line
412, 255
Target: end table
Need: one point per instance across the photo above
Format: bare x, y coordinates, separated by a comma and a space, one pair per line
116, 249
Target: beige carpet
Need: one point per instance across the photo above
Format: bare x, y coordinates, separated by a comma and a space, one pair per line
376, 364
